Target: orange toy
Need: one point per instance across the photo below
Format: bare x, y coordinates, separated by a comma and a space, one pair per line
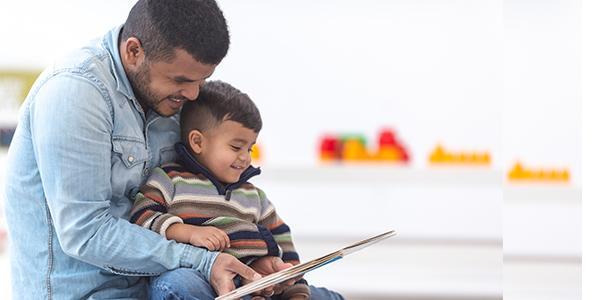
255, 154
354, 149
390, 148
440, 155
520, 173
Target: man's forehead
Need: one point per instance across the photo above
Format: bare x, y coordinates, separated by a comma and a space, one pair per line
184, 65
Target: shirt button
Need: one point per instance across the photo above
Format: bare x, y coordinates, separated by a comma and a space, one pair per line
130, 159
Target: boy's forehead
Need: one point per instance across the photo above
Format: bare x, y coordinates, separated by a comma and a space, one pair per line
235, 131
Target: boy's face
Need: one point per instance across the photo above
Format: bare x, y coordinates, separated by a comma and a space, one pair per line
225, 150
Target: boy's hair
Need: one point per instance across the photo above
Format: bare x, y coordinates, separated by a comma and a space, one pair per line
217, 102
196, 26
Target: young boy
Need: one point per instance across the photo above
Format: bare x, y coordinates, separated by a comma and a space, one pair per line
205, 199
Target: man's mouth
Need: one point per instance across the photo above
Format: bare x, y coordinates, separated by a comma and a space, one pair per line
177, 100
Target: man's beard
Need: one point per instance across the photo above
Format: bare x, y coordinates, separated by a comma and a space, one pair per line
140, 83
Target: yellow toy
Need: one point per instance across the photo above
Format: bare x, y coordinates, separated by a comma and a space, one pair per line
441, 156
520, 173
255, 154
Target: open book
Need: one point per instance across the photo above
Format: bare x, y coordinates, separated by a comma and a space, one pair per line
300, 269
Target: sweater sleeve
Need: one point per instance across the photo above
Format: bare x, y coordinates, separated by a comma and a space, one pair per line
280, 231
151, 207
282, 235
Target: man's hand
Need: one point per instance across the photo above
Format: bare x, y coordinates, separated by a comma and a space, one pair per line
209, 237
270, 264
224, 269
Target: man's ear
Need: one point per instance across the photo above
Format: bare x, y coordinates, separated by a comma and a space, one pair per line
132, 53
196, 141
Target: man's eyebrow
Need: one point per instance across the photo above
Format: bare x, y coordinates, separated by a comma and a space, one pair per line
183, 79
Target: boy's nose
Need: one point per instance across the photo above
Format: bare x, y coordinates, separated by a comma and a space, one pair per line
244, 156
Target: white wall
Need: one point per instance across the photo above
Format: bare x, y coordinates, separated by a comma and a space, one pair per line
470, 74
493, 75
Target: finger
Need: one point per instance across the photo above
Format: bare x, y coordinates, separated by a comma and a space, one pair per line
226, 239
279, 265
243, 270
211, 244
289, 282
222, 242
224, 286
215, 240
268, 293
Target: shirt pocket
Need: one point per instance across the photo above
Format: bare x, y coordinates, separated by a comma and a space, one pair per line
130, 151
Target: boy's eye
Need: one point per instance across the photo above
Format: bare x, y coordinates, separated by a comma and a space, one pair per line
236, 148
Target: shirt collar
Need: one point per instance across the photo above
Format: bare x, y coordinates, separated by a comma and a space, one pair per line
191, 164
111, 43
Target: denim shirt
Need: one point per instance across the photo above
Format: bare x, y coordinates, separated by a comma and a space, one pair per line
81, 149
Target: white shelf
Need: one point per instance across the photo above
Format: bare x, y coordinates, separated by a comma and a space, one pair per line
541, 194
384, 174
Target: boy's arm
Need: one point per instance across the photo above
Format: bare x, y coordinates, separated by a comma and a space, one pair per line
151, 206
280, 231
151, 210
282, 235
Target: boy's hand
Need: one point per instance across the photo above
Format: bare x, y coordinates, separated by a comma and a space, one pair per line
270, 264
209, 237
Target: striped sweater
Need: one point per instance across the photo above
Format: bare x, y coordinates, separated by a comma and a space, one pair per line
188, 193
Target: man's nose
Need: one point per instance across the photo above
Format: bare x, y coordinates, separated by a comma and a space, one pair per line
191, 91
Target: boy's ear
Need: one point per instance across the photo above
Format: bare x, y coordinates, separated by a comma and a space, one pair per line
196, 141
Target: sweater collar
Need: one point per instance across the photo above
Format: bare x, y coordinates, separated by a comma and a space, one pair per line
192, 165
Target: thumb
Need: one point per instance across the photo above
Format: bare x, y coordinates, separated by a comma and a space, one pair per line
244, 271
279, 264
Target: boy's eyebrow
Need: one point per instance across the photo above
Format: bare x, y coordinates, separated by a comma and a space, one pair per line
240, 140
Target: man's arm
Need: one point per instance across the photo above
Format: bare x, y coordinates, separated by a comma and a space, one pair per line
71, 132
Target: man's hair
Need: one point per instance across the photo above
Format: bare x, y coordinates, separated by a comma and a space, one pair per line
196, 26
217, 102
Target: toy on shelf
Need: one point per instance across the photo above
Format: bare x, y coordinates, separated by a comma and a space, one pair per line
354, 148
520, 173
390, 148
440, 155
256, 153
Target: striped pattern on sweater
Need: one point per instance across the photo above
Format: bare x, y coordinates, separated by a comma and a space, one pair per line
173, 195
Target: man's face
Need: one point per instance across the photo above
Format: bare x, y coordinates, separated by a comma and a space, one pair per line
226, 150
165, 86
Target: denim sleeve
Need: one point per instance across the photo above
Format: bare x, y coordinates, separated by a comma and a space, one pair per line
71, 131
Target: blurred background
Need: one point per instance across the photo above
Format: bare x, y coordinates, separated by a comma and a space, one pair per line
455, 123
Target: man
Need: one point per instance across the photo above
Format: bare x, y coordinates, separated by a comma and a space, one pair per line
89, 131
